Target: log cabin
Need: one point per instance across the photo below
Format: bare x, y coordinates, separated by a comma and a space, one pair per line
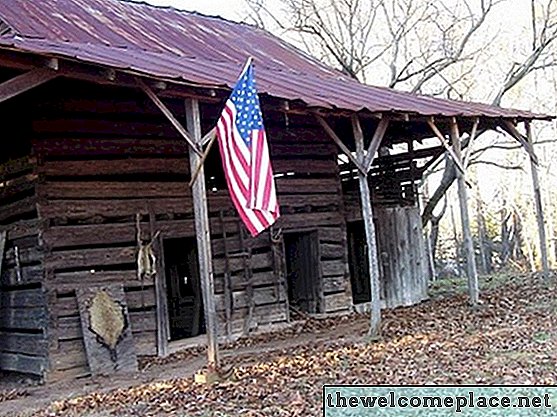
95, 170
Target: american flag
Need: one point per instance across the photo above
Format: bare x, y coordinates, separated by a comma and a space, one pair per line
245, 156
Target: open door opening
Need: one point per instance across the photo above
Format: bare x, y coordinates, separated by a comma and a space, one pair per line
358, 262
185, 301
302, 271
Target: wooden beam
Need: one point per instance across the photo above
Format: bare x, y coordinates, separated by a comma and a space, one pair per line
339, 142
25, 82
457, 160
511, 129
3, 235
473, 287
166, 111
371, 241
376, 140
213, 136
473, 133
538, 202
203, 235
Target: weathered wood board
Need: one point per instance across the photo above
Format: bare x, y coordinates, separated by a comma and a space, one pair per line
106, 329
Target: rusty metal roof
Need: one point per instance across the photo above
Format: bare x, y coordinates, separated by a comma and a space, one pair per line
210, 51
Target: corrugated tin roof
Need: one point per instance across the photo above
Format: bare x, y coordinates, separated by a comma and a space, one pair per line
174, 44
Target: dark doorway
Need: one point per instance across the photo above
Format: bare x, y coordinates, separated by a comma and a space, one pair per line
358, 262
185, 302
302, 269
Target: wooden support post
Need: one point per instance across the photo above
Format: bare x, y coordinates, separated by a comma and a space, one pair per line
538, 202
25, 81
203, 234
473, 287
371, 241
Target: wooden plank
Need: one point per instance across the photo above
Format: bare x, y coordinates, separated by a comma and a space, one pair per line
282, 149
140, 321
84, 209
23, 318
241, 299
27, 275
16, 167
13, 211
3, 235
286, 185
26, 81
22, 298
337, 302
24, 256
135, 300
332, 251
335, 267
35, 365
27, 344
96, 234
21, 229
310, 166
238, 281
125, 166
70, 354
107, 334
69, 281
92, 126
258, 261
18, 185
303, 220
335, 284
90, 258
145, 343
92, 147
104, 189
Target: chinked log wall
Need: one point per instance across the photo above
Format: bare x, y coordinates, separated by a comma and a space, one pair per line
97, 171
23, 317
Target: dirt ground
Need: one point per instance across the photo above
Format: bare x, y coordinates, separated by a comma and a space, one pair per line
510, 339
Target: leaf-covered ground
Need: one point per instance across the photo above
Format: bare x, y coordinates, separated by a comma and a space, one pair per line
510, 339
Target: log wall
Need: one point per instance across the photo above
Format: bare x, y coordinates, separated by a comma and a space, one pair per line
23, 314
103, 160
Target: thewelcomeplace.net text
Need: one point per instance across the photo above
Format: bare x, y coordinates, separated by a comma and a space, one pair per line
458, 402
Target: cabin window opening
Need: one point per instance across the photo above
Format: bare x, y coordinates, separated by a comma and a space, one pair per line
183, 289
302, 271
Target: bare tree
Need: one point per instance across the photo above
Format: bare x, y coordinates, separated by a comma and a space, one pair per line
418, 41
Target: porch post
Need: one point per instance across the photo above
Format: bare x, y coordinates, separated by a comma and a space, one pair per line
538, 202
471, 271
203, 233
371, 241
